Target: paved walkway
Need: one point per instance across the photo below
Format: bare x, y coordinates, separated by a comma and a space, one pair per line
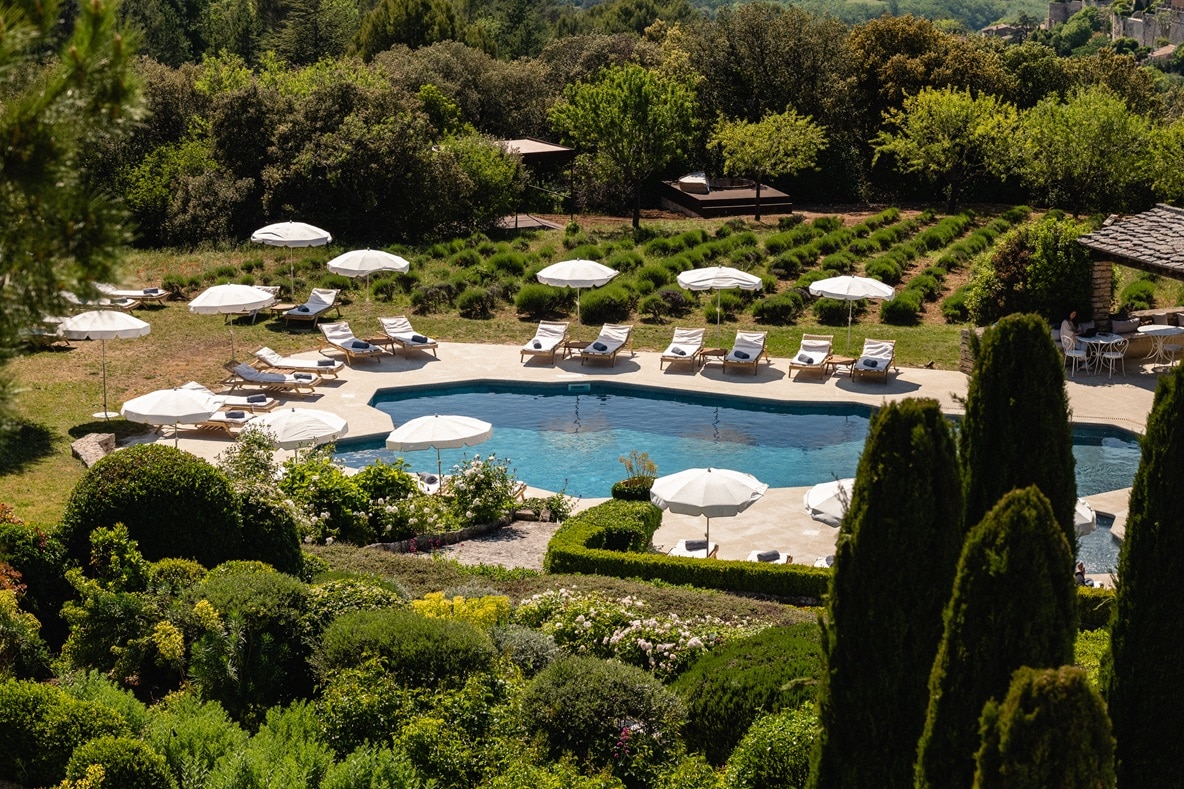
778, 521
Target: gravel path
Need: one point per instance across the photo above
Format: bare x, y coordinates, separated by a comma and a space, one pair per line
521, 544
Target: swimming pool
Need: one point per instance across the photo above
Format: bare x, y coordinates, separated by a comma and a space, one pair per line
570, 436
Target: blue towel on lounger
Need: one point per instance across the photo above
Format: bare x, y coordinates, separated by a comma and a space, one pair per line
740, 354
871, 362
325, 363
236, 414
358, 344
302, 376
257, 398
599, 346
695, 545
302, 308
418, 338
768, 556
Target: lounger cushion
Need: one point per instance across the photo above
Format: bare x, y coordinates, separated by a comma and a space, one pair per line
768, 556
695, 545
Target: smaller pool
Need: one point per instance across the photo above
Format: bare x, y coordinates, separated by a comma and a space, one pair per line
1099, 550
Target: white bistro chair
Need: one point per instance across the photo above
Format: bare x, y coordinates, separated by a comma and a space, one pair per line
1115, 356
1078, 356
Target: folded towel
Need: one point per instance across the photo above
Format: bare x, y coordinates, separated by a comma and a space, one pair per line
804, 359
151, 291
302, 376
236, 414
695, 545
599, 346
257, 398
302, 308
326, 362
768, 556
740, 354
871, 362
678, 352
419, 338
429, 479
536, 344
359, 344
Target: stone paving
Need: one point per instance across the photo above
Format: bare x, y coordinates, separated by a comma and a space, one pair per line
778, 521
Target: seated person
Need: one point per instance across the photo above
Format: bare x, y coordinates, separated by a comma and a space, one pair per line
1079, 575
1072, 329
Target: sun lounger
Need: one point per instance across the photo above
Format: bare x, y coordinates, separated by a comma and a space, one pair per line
548, 339
341, 337
876, 358
398, 330
685, 347
86, 304
229, 421
266, 358
770, 557
610, 342
139, 296
747, 350
256, 403
694, 549
320, 301
814, 353
244, 375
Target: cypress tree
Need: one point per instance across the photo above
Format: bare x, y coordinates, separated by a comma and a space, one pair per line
1050, 732
1014, 604
1016, 431
1146, 683
885, 606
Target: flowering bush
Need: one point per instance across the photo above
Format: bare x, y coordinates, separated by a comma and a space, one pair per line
484, 612
590, 624
336, 504
423, 515
482, 489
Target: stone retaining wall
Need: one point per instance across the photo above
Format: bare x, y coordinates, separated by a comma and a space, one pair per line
425, 542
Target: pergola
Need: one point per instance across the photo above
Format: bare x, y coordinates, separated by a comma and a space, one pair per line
1152, 241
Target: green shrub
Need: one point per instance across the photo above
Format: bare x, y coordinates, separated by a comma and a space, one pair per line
653, 306
775, 753
633, 489
779, 310
691, 772
172, 503
731, 686
926, 284
537, 300
385, 481
40, 559
271, 530
953, 307
466, 258
834, 312
624, 261
333, 597
192, 735
126, 763
288, 752
529, 650
255, 657
23, 653
1137, 295
475, 303
437, 749
335, 502
509, 263
902, 310
419, 650
371, 768
42, 726
828, 224
839, 263
482, 490
884, 269
655, 274
610, 304
586, 251
605, 714
833, 241
365, 705
427, 299
174, 576
1095, 606
97, 687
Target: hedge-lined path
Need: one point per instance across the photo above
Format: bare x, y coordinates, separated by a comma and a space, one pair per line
777, 522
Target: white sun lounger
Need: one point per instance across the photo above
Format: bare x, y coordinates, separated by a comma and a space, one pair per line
548, 339
341, 337
814, 353
747, 350
398, 330
691, 549
320, 301
243, 374
612, 339
266, 358
877, 357
141, 296
685, 347
256, 403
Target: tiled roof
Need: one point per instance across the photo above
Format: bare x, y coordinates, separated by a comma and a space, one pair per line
1153, 240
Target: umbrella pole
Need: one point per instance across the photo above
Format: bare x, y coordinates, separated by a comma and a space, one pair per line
106, 413
850, 309
233, 355
708, 556
439, 468
719, 332
579, 320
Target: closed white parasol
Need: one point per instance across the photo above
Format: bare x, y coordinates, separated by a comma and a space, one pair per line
294, 428
719, 279
852, 289
103, 325
438, 431
577, 274
1085, 520
710, 492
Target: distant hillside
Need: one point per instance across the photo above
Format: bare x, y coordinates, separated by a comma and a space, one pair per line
970, 14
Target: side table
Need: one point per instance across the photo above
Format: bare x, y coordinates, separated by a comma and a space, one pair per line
835, 362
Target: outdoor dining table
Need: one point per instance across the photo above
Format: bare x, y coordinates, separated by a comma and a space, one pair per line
1158, 335
1097, 345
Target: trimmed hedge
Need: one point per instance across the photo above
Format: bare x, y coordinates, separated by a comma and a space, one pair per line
584, 544
1095, 606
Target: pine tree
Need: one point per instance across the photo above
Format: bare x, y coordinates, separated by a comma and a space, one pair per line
885, 606
1014, 604
1016, 431
1050, 732
1146, 684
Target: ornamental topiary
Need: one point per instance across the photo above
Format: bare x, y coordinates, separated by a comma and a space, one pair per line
418, 650
126, 763
775, 753
172, 503
733, 685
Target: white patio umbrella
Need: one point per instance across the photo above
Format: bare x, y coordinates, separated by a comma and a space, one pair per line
364, 262
438, 431
292, 234
710, 492
827, 502
170, 407
1085, 520
230, 300
719, 279
852, 289
576, 274
103, 325
294, 428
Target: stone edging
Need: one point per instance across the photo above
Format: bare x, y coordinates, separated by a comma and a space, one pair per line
429, 541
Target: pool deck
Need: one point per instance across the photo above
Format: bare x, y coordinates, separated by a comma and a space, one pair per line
778, 521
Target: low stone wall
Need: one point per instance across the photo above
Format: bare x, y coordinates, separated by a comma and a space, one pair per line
93, 447
425, 542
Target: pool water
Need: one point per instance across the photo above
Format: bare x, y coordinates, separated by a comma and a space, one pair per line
570, 437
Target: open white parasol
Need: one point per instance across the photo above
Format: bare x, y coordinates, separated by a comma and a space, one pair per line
577, 274
710, 492
231, 300
170, 407
438, 431
291, 234
827, 502
852, 289
364, 262
719, 279
293, 428
103, 325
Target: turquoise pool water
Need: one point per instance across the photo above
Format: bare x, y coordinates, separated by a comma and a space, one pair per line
569, 437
